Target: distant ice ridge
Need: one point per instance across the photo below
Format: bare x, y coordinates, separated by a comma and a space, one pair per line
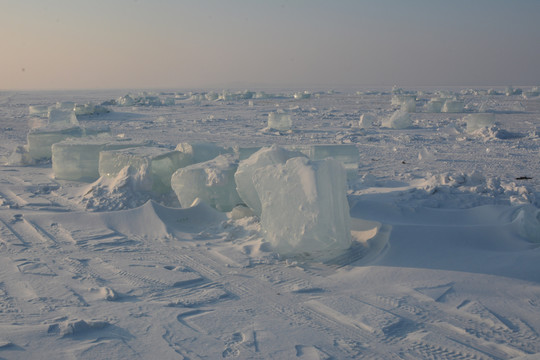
304, 207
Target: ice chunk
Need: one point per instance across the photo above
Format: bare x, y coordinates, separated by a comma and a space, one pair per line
38, 110
302, 95
280, 121
479, 120
527, 222
211, 181
398, 120
59, 117
434, 105
160, 163
78, 159
366, 121
89, 109
19, 157
201, 152
40, 140
304, 207
406, 102
347, 154
452, 106
244, 175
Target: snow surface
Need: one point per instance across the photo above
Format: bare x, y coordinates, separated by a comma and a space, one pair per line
445, 229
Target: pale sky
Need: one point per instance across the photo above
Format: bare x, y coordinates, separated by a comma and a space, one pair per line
93, 44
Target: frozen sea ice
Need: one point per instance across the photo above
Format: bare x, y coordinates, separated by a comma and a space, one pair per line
304, 207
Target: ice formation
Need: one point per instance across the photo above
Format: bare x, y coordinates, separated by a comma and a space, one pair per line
347, 154
407, 103
366, 121
280, 121
38, 110
452, 106
201, 152
211, 181
244, 175
434, 105
479, 120
89, 109
19, 157
159, 163
398, 120
59, 117
40, 140
78, 159
527, 221
304, 207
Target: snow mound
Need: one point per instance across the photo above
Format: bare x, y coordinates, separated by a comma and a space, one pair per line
527, 221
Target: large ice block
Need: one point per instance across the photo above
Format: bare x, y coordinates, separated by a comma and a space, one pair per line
78, 159
60, 117
398, 120
479, 120
160, 163
38, 110
434, 105
347, 154
280, 121
452, 106
406, 102
304, 207
244, 175
211, 181
201, 152
40, 140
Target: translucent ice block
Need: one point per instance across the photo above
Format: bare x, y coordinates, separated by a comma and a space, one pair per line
244, 175
304, 207
58, 117
211, 181
479, 120
78, 159
280, 121
40, 140
452, 106
159, 163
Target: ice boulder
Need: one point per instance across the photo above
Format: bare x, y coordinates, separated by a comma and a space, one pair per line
159, 163
38, 110
304, 207
434, 105
60, 117
201, 152
452, 106
479, 121
280, 121
366, 121
19, 157
40, 140
244, 175
78, 159
211, 181
398, 120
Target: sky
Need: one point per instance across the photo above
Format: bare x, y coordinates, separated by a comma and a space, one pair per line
145, 44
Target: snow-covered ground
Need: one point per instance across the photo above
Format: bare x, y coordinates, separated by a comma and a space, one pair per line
445, 262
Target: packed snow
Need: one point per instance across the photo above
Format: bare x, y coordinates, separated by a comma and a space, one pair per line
370, 223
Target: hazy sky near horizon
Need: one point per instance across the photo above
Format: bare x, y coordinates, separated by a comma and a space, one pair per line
73, 44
